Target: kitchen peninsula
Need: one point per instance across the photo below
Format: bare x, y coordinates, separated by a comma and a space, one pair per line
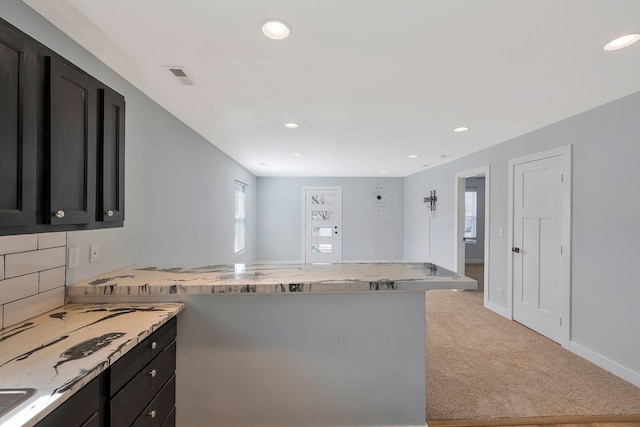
294, 344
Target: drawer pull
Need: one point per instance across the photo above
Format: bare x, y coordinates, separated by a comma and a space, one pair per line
154, 345
153, 373
109, 213
59, 214
152, 414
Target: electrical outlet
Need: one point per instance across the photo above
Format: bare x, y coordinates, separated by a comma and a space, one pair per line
74, 257
94, 254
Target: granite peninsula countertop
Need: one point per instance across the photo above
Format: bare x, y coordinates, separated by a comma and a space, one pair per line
270, 279
59, 352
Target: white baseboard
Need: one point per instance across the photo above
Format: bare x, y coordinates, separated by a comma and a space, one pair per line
605, 363
497, 309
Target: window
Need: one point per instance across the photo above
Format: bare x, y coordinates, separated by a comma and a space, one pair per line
470, 212
240, 229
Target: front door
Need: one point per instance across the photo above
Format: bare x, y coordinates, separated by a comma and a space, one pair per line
538, 244
323, 225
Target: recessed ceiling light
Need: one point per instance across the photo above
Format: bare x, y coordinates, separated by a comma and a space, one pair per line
622, 42
383, 171
296, 155
413, 156
461, 129
275, 29
291, 125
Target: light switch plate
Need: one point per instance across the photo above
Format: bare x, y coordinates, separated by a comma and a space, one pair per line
94, 254
74, 257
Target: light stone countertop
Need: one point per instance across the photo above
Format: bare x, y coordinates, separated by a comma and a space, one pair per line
270, 279
61, 351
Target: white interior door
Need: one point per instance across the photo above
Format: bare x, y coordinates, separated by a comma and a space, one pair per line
537, 252
323, 225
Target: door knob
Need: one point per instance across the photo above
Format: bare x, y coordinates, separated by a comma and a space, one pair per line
516, 250
59, 214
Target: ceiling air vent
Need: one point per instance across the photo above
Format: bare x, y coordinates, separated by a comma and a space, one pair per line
180, 74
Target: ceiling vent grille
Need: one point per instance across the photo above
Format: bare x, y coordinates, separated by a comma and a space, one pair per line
180, 74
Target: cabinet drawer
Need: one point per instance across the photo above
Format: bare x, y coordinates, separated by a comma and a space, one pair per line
129, 402
171, 419
126, 367
94, 421
160, 407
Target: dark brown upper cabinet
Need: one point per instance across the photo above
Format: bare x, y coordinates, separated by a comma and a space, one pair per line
72, 144
110, 207
61, 142
18, 81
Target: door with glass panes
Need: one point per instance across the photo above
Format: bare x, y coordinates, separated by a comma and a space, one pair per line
323, 225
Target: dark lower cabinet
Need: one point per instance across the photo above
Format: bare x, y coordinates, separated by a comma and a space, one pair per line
138, 390
81, 409
18, 82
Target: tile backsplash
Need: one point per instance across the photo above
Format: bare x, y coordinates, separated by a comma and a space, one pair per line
32, 275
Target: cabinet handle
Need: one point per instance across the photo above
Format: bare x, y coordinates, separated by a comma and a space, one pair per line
154, 345
59, 214
109, 213
153, 373
152, 414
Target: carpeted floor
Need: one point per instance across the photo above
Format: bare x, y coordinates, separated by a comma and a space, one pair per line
480, 365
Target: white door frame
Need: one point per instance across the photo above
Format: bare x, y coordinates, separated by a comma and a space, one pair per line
565, 293
459, 221
338, 189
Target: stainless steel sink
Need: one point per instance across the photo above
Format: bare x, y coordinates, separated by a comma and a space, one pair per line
12, 397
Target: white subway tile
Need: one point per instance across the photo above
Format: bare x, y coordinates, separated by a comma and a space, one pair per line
52, 240
1, 267
31, 262
51, 279
18, 288
20, 243
27, 308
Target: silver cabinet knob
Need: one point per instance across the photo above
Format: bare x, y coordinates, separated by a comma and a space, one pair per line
59, 214
152, 414
109, 213
154, 345
153, 373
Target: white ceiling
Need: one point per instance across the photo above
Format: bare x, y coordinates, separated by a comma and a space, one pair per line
370, 82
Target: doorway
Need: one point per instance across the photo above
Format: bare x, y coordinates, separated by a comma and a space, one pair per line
472, 219
539, 267
322, 222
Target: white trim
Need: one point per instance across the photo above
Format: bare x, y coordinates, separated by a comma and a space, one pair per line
498, 309
605, 363
458, 232
565, 152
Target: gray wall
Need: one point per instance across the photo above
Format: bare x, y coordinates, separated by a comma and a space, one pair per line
371, 231
605, 291
179, 187
474, 252
302, 360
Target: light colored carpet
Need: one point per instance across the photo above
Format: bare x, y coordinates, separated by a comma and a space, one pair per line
480, 365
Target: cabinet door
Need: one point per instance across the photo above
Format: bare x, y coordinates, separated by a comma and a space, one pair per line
72, 144
18, 74
111, 158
